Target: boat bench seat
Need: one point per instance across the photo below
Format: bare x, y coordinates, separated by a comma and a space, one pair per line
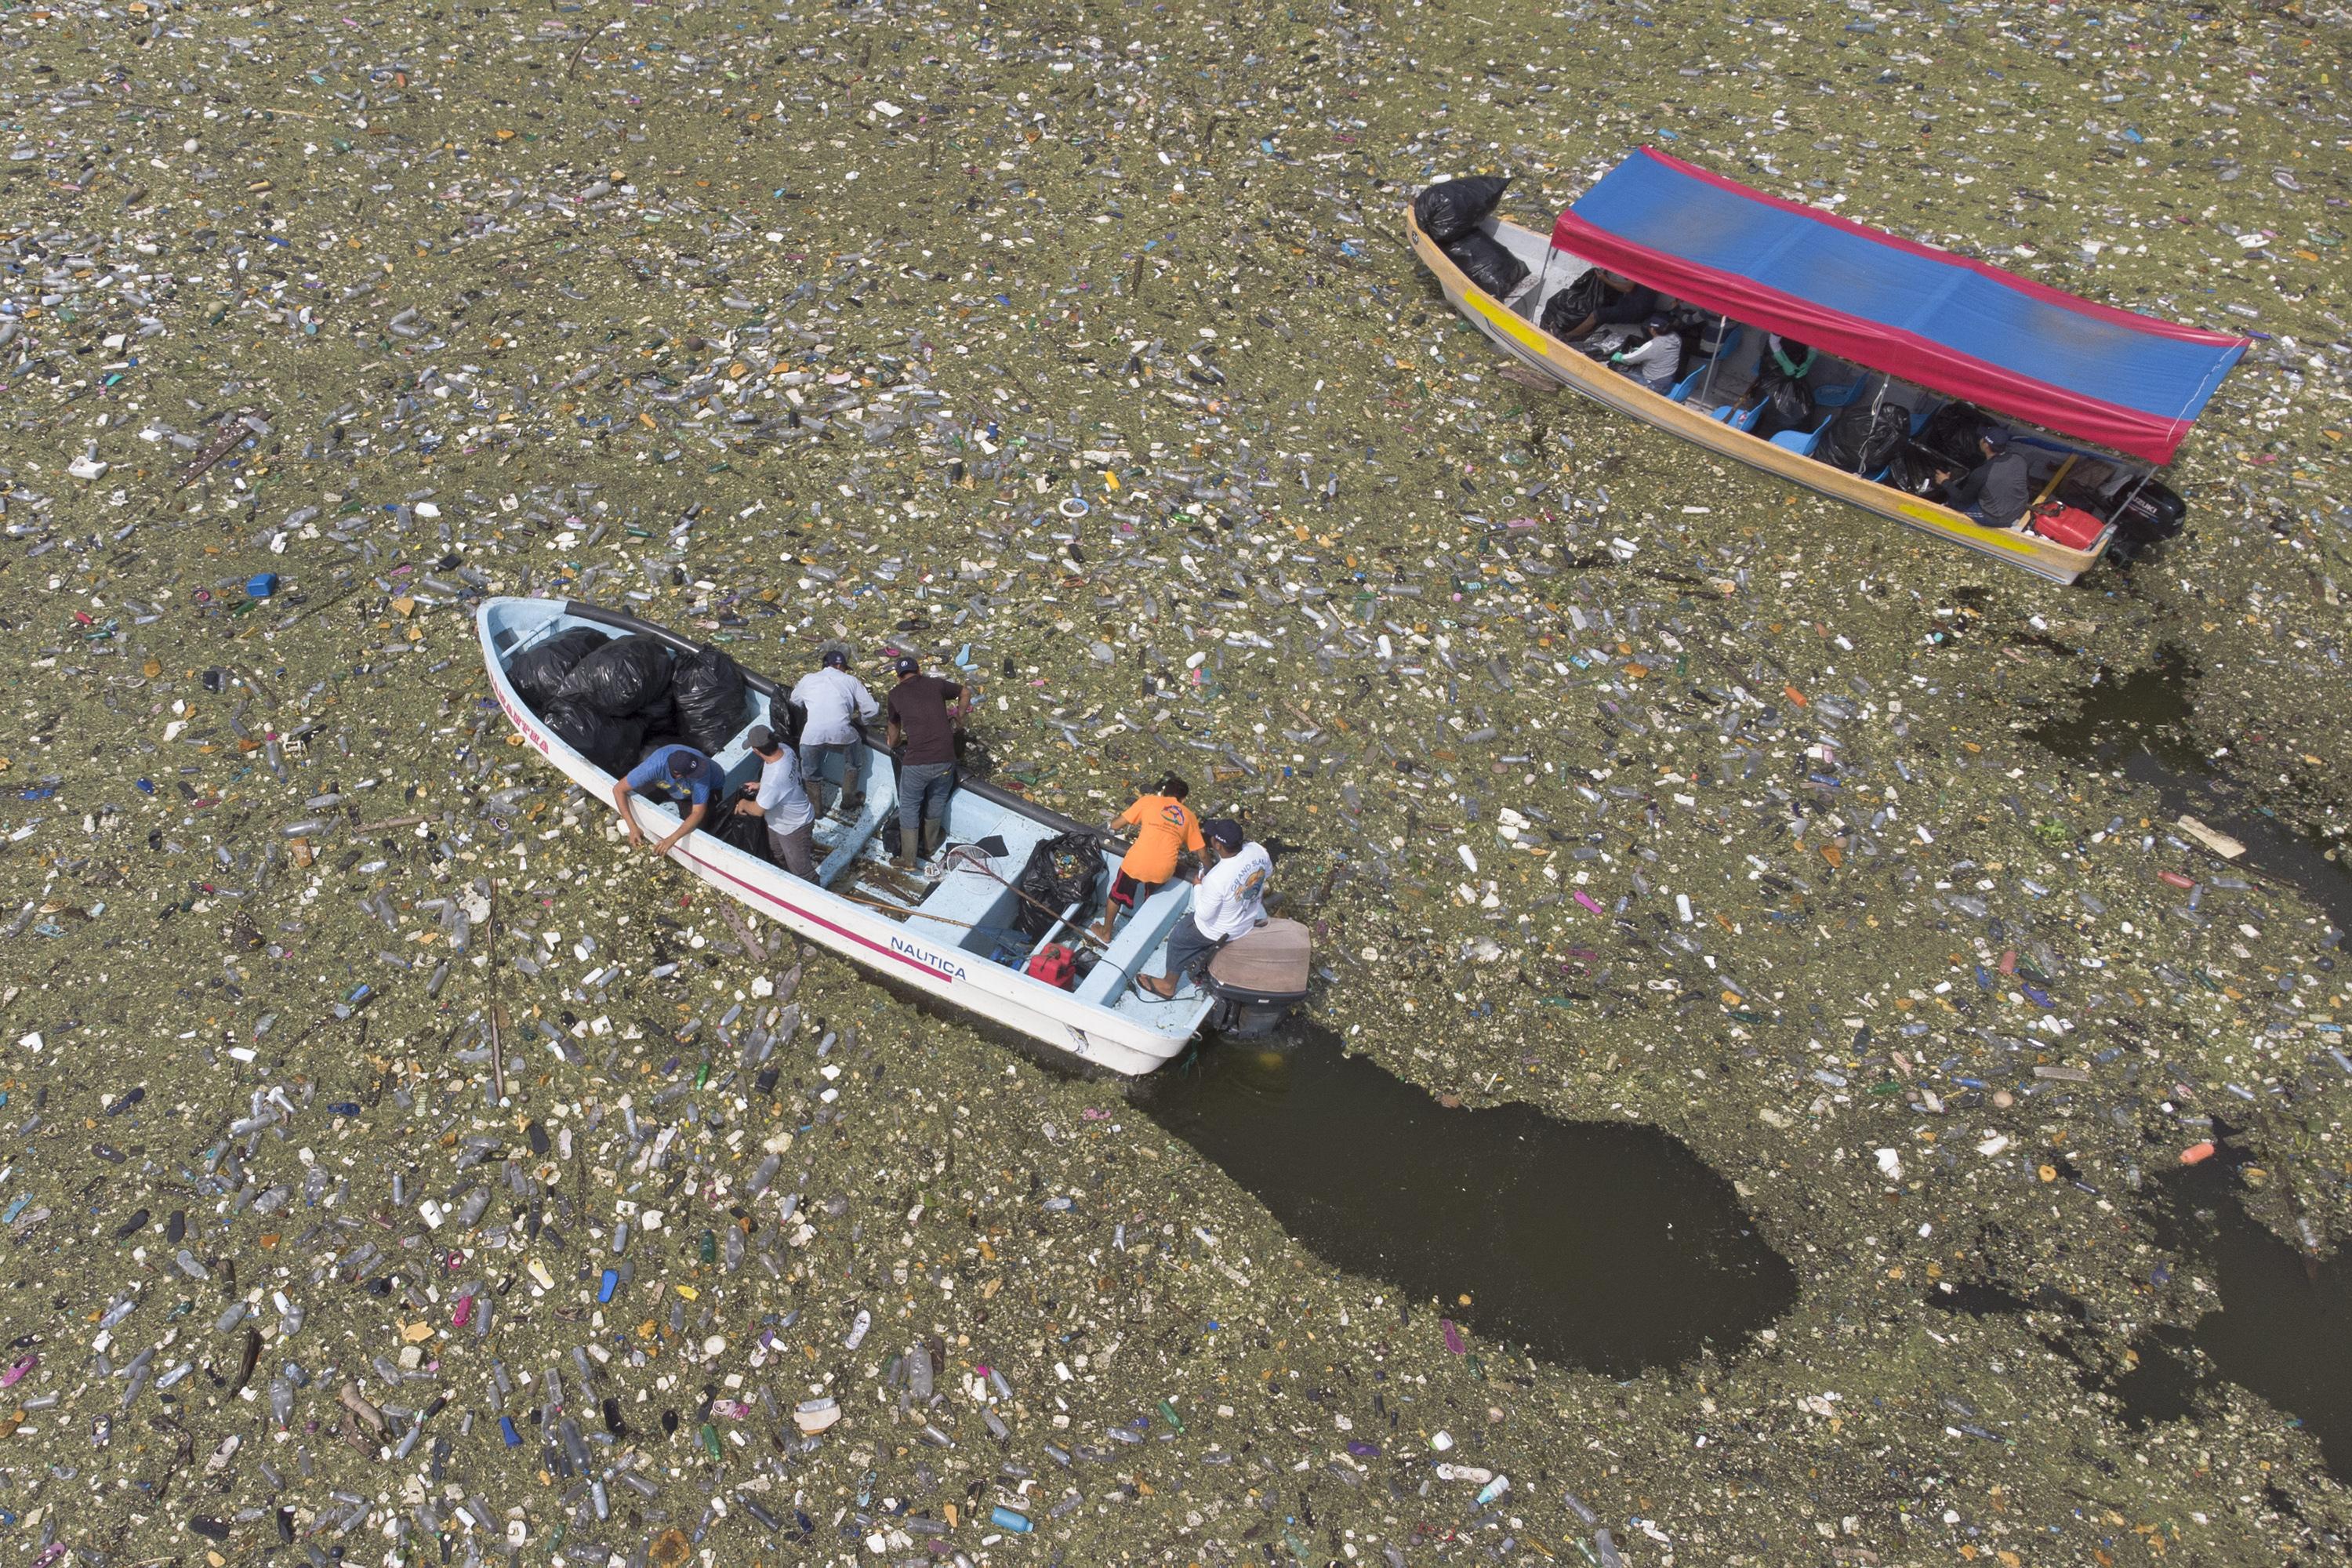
966, 909
1136, 941
881, 802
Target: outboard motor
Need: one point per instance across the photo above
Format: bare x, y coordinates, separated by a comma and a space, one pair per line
1258, 977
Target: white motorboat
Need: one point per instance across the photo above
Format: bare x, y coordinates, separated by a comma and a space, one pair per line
955, 929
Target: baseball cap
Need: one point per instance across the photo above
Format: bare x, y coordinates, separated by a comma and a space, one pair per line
1656, 324
760, 739
907, 664
1996, 439
685, 763
1224, 831
835, 658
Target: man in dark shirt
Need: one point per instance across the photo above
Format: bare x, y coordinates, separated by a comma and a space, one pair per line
1994, 492
1623, 304
919, 715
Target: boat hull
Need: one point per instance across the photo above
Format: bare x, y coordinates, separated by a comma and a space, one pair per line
1550, 357
1075, 1029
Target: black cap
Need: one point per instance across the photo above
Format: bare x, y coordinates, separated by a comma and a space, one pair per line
835, 658
685, 761
760, 739
1224, 832
907, 664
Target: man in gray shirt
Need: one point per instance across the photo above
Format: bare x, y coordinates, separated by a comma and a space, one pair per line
1997, 490
783, 804
836, 702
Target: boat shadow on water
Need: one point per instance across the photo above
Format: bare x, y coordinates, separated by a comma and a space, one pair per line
1604, 1246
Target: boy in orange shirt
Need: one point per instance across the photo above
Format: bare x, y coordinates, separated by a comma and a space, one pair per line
1164, 826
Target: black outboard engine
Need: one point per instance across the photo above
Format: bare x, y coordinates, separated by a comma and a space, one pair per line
1258, 977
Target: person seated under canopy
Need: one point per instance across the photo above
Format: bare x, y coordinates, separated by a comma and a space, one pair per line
1994, 492
1623, 303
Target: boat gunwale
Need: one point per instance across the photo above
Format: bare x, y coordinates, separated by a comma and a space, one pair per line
2044, 558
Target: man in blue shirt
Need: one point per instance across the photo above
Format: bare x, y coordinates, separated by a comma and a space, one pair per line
674, 774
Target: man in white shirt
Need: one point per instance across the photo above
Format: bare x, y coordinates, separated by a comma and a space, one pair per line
1228, 900
836, 702
783, 804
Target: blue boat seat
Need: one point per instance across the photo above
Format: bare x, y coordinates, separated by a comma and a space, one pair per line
880, 803
1135, 943
966, 909
1746, 418
1840, 397
1805, 443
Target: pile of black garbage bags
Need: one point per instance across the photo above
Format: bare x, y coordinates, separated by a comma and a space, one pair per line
1452, 212
614, 699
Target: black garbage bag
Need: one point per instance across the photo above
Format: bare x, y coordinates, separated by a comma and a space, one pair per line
611, 743
711, 700
627, 676
1953, 431
1788, 405
1865, 439
749, 834
1912, 468
1061, 871
1889, 435
538, 673
1572, 302
1604, 341
1490, 267
1446, 211
787, 719
659, 726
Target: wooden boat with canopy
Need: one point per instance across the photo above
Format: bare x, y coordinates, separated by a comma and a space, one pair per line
2098, 398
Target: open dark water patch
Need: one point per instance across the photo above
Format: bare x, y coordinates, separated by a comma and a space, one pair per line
2139, 724
1596, 1245
2283, 1327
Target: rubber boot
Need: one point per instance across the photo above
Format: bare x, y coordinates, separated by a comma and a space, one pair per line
935, 834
